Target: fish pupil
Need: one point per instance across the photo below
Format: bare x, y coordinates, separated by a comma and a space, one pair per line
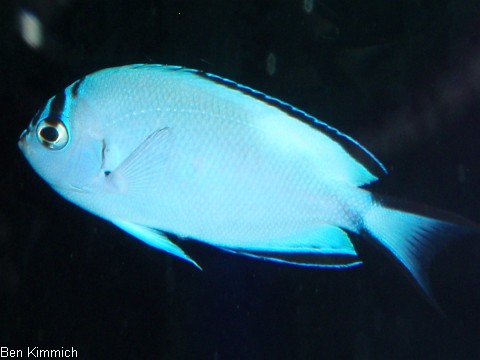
49, 134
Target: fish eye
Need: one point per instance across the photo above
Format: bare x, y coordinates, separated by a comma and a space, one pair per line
52, 133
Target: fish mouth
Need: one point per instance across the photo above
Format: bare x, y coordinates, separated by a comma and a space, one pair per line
22, 144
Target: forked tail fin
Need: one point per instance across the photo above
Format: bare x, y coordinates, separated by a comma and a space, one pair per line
414, 239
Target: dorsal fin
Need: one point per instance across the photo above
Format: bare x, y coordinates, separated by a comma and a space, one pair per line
361, 154
353, 147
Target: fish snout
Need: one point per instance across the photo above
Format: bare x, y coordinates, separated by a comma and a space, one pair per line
22, 142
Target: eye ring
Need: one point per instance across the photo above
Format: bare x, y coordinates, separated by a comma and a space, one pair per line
52, 133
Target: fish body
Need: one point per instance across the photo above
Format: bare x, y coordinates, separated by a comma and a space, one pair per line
164, 152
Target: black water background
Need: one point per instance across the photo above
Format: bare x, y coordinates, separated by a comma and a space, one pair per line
400, 77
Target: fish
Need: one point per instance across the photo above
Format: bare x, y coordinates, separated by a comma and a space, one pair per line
170, 154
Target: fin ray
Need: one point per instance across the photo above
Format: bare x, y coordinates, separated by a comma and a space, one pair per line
137, 170
414, 239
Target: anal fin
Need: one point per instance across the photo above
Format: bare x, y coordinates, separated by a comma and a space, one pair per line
326, 247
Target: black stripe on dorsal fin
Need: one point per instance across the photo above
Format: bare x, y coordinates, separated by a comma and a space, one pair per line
353, 147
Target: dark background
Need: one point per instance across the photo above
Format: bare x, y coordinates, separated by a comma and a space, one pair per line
402, 77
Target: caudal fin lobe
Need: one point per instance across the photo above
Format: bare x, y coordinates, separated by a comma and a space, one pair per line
414, 239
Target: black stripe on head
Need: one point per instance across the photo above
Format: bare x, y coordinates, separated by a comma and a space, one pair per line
57, 105
76, 86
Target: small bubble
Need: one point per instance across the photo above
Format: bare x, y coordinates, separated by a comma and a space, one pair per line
271, 64
308, 6
31, 29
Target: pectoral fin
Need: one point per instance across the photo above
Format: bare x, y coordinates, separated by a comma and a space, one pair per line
144, 165
154, 238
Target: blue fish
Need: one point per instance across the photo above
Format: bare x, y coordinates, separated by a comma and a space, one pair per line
166, 153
